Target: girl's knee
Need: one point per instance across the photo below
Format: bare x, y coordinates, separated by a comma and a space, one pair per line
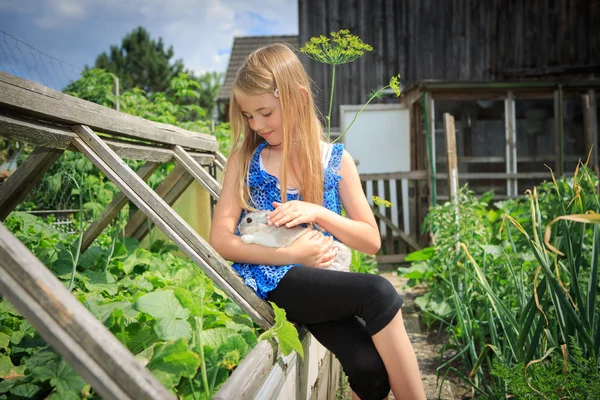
380, 304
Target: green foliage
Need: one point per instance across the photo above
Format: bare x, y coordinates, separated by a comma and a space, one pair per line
165, 311
286, 333
57, 191
95, 85
550, 379
363, 263
141, 62
509, 296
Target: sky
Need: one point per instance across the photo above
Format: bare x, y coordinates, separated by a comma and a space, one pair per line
50, 41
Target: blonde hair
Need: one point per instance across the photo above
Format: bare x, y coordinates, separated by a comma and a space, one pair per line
266, 69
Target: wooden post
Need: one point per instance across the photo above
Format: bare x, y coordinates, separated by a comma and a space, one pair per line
451, 154
558, 131
591, 128
169, 190
111, 211
20, 183
215, 267
200, 175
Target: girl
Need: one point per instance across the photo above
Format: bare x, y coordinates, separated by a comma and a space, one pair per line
280, 162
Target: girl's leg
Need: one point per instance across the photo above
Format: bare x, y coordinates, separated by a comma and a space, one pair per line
400, 360
348, 340
313, 296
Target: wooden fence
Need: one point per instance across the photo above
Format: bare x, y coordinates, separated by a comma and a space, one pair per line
408, 193
55, 122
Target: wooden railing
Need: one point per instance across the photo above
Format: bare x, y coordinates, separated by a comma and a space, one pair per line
400, 223
55, 122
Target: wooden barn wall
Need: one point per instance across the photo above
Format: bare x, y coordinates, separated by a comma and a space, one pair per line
458, 40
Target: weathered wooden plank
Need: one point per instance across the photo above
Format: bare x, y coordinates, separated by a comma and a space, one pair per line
40, 101
71, 330
249, 376
451, 154
200, 174
391, 259
410, 241
173, 225
39, 133
20, 183
169, 190
111, 211
389, 237
412, 175
220, 160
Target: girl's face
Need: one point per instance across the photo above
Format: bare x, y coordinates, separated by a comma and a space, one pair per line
263, 112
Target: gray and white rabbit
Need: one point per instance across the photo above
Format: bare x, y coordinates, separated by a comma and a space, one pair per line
255, 230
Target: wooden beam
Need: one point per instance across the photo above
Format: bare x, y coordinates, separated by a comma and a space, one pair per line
406, 238
111, 211
171, 188
220, 160
20, 183
39, 101
391, 259
451, 154
64, 323
412, 175
60, 137
192, 244
200, 174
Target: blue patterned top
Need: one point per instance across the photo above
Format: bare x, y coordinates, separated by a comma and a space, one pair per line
264, 190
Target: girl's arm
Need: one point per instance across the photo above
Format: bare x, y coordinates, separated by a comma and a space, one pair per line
359, 231
309, 250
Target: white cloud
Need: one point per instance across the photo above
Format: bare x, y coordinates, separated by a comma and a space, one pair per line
200, 31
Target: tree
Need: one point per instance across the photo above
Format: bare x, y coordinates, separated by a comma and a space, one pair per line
210, 84
141, 62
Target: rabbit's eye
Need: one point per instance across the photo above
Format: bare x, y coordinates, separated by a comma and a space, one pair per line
249, 220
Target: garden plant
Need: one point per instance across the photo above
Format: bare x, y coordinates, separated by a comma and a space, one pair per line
518, 300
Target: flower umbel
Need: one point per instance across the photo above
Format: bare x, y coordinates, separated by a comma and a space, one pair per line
395, 85
344, 49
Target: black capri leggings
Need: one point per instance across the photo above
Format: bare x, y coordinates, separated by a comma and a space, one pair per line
328, 304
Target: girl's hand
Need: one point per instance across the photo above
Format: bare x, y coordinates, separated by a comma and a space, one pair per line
293, 213
314, 250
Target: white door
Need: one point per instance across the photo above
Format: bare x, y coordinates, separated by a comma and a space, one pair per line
379, 141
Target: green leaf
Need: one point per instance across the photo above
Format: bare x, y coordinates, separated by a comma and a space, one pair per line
27, 390
421, 255
173, 360
173, 329
9, 371
91, 257
192, 303
60, 395
61, 376
288, 339
161, 304
40, 358
4, 340
6, 385
99, 281
216, 336
286, 333
139, 257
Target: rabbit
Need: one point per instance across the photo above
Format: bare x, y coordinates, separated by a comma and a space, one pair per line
255, 230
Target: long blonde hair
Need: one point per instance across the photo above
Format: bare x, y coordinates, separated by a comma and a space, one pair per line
266, 69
